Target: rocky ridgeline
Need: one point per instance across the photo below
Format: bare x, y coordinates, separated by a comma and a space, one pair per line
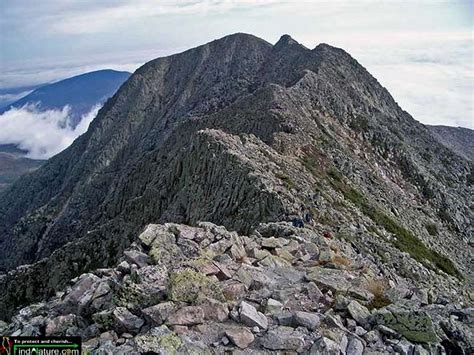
181, 289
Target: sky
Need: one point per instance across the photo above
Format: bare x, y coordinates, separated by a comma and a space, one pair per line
421, 51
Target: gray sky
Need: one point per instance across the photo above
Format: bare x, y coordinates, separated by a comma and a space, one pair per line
422, 51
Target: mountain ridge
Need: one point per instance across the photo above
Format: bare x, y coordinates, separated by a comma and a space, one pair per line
458, 139
240, 132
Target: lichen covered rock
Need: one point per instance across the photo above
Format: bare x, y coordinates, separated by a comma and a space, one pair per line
193, 287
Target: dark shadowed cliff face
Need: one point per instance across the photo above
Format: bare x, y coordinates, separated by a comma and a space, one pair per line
459, 139
240, 132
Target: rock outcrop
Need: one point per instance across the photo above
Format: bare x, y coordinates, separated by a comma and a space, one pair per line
260, 300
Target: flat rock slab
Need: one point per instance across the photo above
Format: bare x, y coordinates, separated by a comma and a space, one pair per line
336, 281
190, 315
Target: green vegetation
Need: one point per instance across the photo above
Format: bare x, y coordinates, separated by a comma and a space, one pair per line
286, 180
431, 228
335, 175
405, 240
310, 164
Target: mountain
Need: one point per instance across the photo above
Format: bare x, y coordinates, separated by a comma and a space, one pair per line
81, 93
10, 95
301, 146
13, 164
459, 139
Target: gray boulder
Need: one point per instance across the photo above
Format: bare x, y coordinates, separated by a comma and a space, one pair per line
251, 317
307, 319
325, 346
125, 321
359, 313
283, 338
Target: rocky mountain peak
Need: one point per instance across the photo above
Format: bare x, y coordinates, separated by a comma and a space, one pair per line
286, 41
241, 133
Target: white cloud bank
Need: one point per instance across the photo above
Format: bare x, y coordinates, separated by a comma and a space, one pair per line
42, 133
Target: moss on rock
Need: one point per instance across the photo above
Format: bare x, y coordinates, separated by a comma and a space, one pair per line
193, 287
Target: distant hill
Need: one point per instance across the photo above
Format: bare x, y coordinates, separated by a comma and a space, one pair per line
10, 95
459, 139
13, 164
81, 93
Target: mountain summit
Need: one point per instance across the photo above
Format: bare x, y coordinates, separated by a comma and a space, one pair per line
240, 132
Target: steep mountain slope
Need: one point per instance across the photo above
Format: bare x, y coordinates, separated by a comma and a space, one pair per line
240, 132
459, 139
13, 164
81, 93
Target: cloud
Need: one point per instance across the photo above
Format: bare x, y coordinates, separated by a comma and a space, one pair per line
431, 79
42, 133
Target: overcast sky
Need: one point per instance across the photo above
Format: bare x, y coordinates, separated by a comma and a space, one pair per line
422, 51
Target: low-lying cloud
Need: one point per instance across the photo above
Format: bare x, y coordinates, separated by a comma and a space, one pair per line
42, 133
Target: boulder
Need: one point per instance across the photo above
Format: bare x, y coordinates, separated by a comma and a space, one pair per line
307, 319
325, 346
157, 314
189, 315
125, 321
215, 310
273, 306
241, 337
80, 295
136, 257
59, 325
283, 338
251, 317
273, 243
354, 347
284, 318
359, 313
